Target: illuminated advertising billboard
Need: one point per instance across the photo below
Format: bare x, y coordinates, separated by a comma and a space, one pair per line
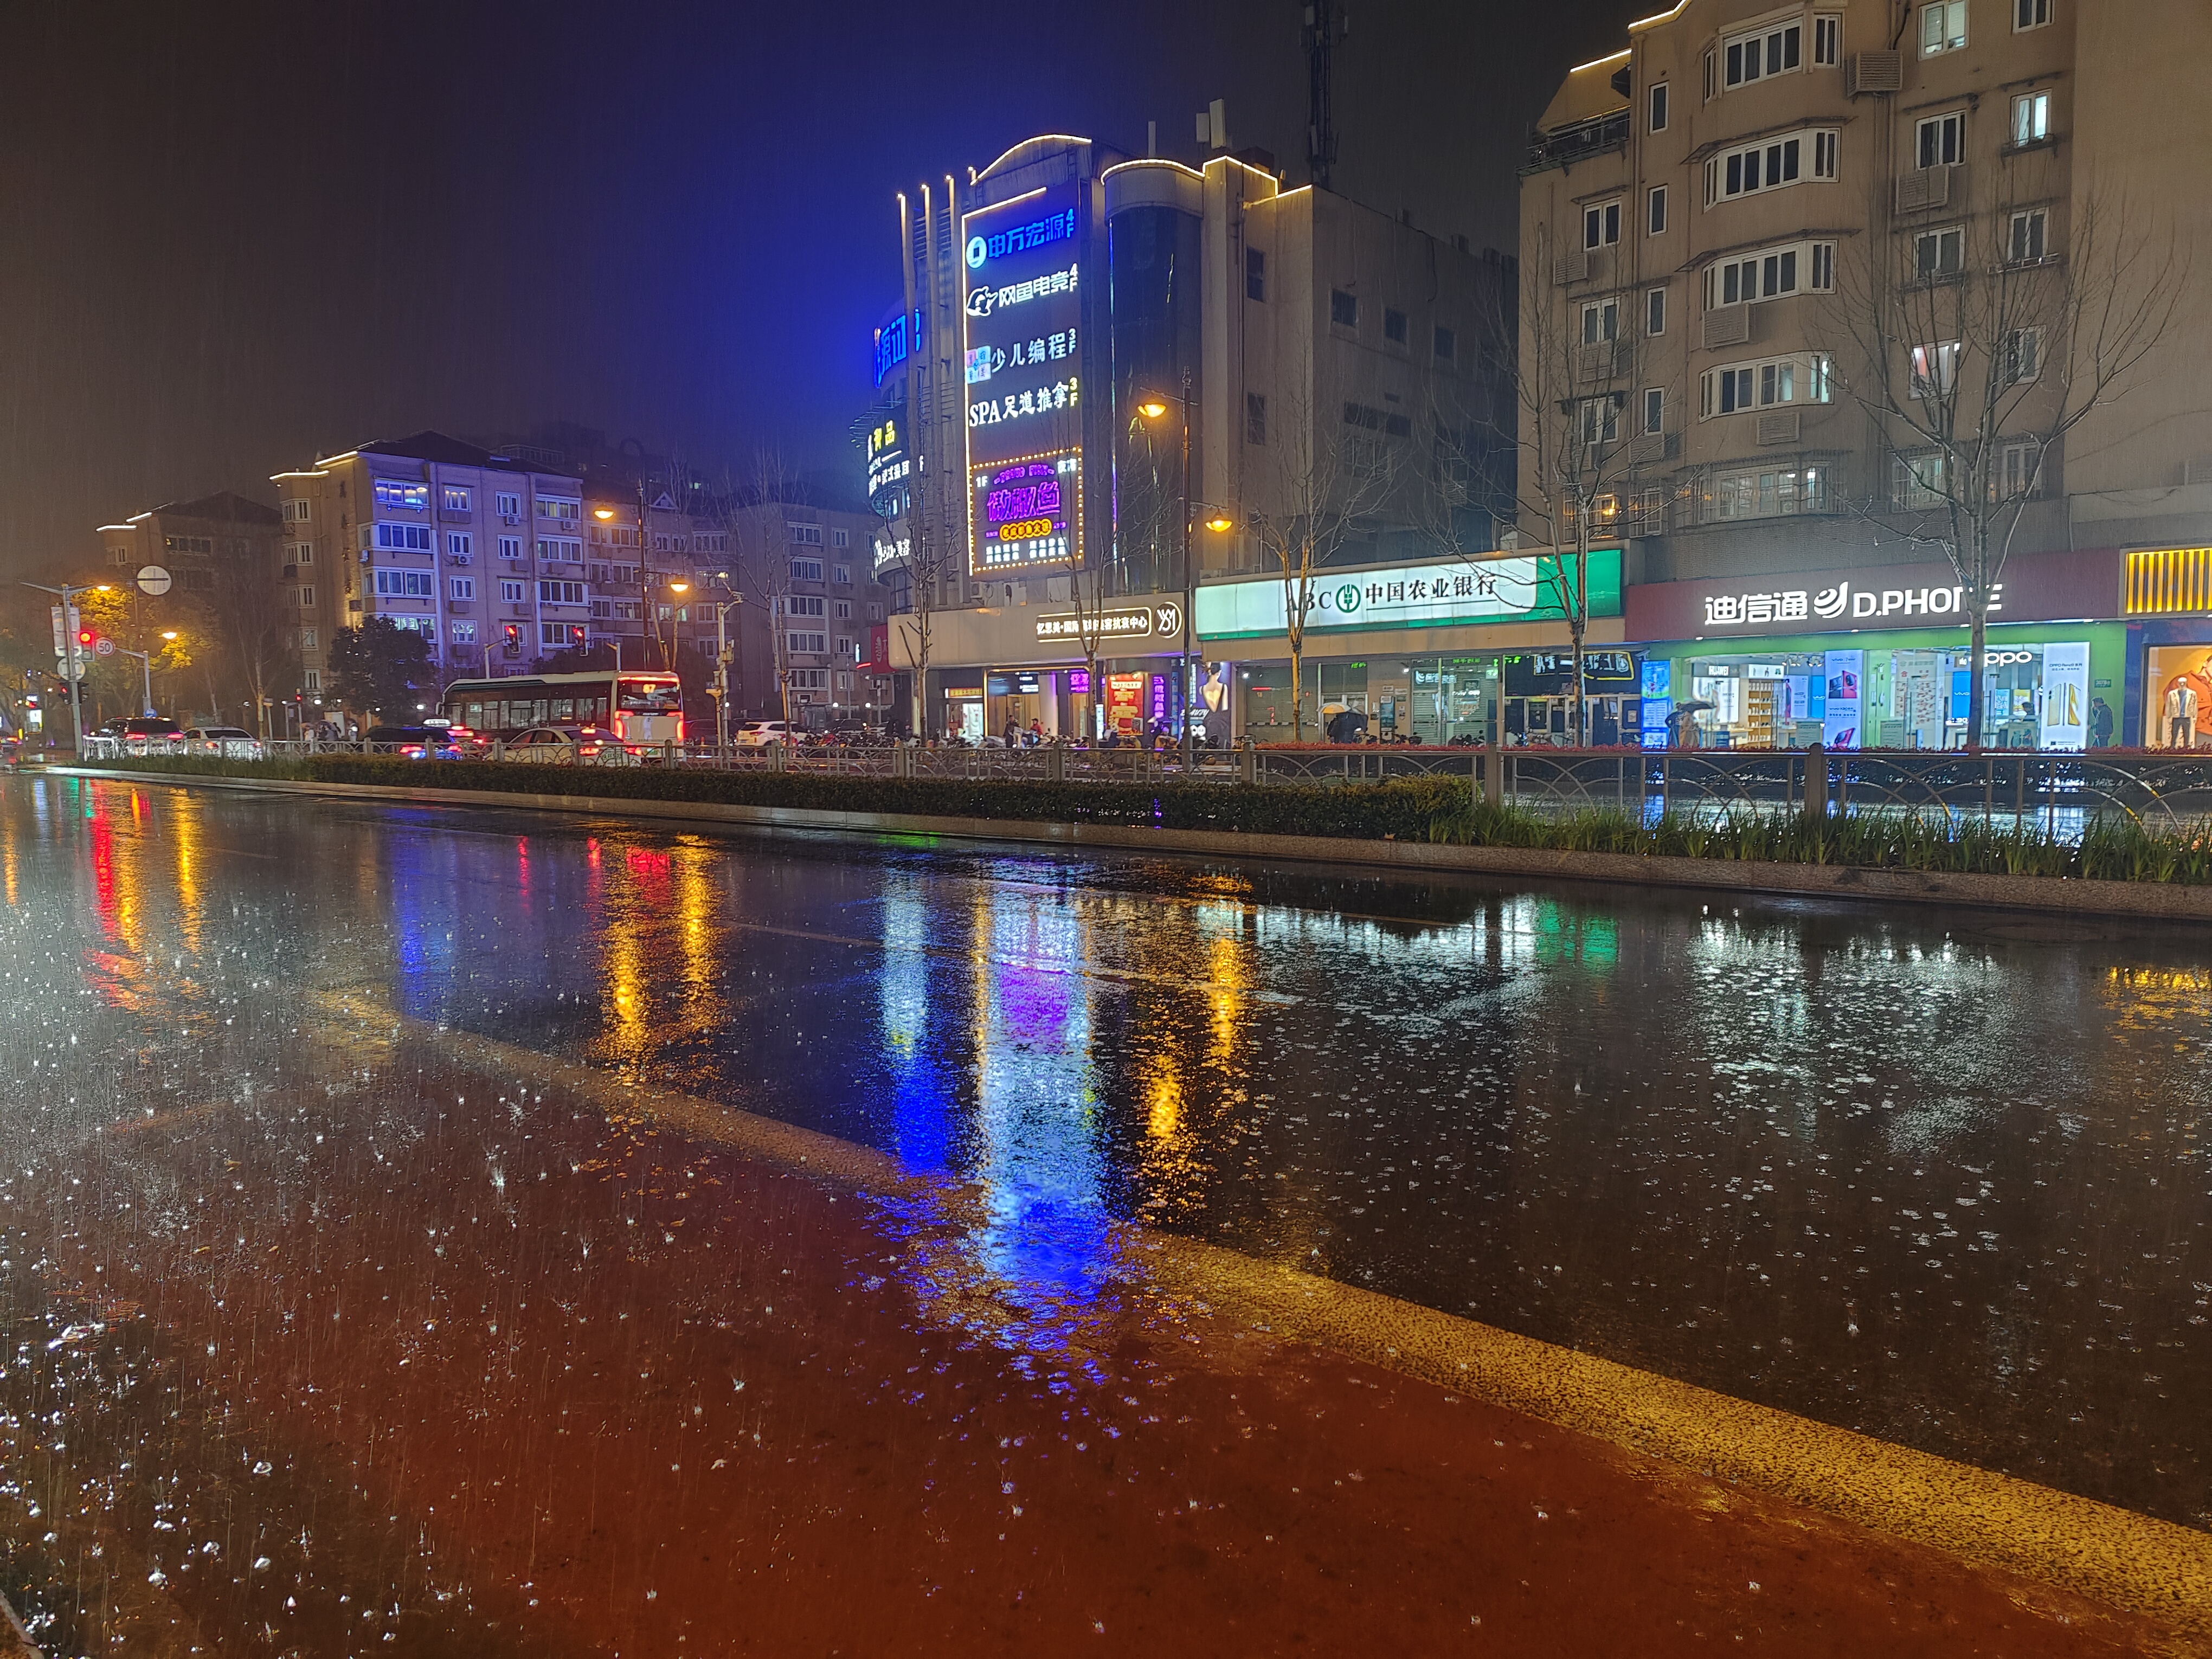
888, 465
1023, 305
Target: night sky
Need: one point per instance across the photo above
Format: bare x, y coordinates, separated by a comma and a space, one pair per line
233, 234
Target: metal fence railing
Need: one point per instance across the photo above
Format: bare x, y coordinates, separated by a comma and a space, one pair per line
2063, 790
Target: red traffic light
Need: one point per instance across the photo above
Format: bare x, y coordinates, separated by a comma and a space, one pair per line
86, 637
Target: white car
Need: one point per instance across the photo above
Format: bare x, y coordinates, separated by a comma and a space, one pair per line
758, 734
230, 742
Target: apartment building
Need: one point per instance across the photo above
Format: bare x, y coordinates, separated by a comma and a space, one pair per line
482, 556
1753, 242
191, 540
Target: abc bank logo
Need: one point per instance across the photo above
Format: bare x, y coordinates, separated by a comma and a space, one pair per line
978, 251
1347, 598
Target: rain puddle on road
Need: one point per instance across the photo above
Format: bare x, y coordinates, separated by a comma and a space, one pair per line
322, 1341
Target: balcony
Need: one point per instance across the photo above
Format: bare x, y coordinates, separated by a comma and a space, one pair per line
1564, 146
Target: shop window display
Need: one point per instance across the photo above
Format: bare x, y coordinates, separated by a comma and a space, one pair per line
2178, 701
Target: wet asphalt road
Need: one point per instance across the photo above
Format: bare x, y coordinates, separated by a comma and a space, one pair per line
1937, 1177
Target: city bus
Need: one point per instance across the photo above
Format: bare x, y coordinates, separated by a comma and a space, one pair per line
640, 709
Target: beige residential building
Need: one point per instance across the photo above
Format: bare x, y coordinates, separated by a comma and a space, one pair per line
481, 555
1709, 217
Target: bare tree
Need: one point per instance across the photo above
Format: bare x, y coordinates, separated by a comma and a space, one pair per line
1976, 343
1575, 425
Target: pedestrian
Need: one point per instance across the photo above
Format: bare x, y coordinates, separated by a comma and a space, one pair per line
1036, 732
2100, 724
1013, 733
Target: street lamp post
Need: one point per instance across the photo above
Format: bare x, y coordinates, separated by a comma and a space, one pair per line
1152, 409
68, 595
146, 670
721, 689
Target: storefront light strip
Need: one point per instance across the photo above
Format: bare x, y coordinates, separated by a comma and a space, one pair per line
2167, 582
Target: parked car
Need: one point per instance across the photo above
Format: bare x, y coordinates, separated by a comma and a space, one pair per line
758, 734
230, 742
151, 734
20, 754
554, 745
413, 741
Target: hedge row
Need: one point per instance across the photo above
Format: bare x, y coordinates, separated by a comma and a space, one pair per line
1404, 809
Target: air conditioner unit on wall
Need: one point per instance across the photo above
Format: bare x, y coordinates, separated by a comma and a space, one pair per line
1874, 72
1779, 427
1727, 326
1922, 188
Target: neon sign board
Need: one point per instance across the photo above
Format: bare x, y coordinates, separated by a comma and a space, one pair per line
895, 341
1023, 375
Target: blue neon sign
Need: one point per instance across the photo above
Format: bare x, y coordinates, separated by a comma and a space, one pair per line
1019, 239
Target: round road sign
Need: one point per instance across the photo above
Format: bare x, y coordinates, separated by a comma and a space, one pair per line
152, 582
103, 647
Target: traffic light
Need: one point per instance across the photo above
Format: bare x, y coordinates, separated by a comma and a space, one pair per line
511, 641
86, 639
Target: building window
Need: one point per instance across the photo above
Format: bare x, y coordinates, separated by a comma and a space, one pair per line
1938, 253
559, 549
1394, 326
560, 508
806, 535
1769, 166
456, 498
1343, 309
1934, 369
1600, 419
807, 570
1447, 346
1654, 410
463, 588
841, 573
508, 506
2030, 117
308, 598
1655, 215
817, 645
1916, 482
1753, 57
2030, 15
510, 547
1601, 322
809, 679
560, 593
1824, 267
1655, 312
460, 546
1256, 417
311, 681
802, 604
2023, 355
1255, 274
560, 635
300, 553
1767, 493
1657, 98
842, 610
2030, 238
295, 512
396, 493
513, 594
1601, 225
1942, 27
2017, 476
1940, 140
403, 585
1827, 39
310, 639
847, 649
1770, 274
839, 537
1739, 387
404, 538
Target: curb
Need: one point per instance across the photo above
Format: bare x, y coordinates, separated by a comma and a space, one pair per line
2056, 895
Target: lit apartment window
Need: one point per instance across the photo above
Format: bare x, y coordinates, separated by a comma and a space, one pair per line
2030, 237
310, 680
1740, 386
465, 633
1934, 369
2030, 15
1655, 312
1751, 57
1343, 308
2030, 117
1940, 140
1942, 27
395, 493
1658, 100
1827, 39
1938, 252
456, 498
561, 509
1601, 225
1654, 214
1767, 493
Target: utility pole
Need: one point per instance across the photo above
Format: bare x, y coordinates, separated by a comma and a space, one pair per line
1326, 26
68, 597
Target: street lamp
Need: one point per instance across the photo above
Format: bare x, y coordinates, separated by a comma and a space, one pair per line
67, 594
720, 689
1152, 409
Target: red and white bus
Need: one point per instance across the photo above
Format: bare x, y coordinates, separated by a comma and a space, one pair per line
634, 708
